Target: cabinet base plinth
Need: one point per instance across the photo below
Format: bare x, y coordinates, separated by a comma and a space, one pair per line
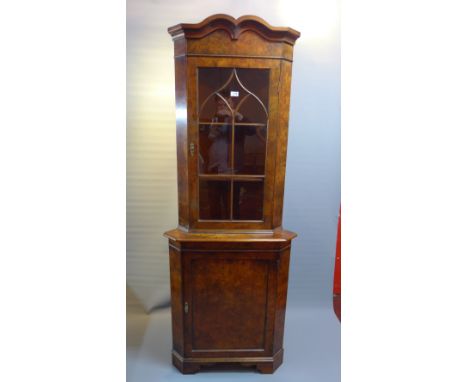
265, 365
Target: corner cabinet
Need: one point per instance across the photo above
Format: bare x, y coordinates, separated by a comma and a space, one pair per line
229, 256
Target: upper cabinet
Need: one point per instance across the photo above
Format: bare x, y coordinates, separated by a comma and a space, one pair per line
232, 97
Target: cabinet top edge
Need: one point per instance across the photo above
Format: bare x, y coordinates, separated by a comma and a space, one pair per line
235, 27
276, 236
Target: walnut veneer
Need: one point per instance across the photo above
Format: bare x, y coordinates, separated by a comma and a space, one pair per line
229, 256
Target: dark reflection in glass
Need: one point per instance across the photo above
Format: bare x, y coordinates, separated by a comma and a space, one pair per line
222, 101
248, 200
234, 85
215, 196
232, 132
249, 149
256, 81
210, 80
215, 148
217, 109
252, 111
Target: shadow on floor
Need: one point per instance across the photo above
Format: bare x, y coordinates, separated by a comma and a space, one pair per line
312, 352
137, 320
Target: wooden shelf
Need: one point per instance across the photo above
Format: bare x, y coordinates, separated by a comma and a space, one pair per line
230, 123
247, 178
279, 236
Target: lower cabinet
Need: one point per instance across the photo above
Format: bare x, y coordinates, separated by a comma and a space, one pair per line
228, 304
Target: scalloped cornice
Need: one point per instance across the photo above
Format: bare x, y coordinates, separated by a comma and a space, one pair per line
235, 27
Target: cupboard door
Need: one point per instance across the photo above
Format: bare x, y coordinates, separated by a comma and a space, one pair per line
230, 304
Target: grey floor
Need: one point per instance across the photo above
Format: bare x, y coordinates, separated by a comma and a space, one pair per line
311, 343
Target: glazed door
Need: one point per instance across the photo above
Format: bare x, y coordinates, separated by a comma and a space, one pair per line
229, 307
232, 136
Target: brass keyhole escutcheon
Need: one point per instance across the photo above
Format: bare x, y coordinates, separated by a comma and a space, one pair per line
192, 148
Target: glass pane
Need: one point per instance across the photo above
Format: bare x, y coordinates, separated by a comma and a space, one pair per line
232, 98
219, 94
256, 81
251, 111
210, 80
215, 196
221, 91
249, 149
214, 148
216, 109
248, 200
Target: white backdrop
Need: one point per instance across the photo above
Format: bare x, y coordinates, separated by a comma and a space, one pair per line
312, 194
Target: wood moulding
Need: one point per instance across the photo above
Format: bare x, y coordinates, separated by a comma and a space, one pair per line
279, 236
265, 365
235, 27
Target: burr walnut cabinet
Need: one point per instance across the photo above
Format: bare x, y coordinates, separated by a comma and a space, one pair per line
229, 256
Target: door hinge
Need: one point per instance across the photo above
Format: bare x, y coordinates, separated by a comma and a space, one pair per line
186, 308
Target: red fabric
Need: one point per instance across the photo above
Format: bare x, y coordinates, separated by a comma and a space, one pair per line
337, 277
